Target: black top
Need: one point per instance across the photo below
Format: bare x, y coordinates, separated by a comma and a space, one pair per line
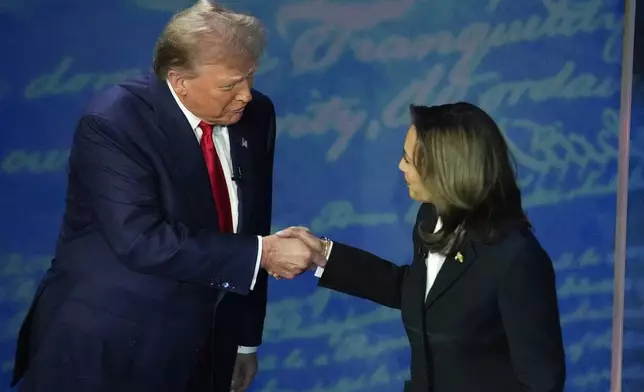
490, 322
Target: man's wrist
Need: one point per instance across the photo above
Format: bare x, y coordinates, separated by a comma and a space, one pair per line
267, 247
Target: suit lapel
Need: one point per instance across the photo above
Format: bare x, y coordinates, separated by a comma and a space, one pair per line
452, 270
241, 156
183, 154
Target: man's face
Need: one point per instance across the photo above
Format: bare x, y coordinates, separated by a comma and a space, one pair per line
218, 94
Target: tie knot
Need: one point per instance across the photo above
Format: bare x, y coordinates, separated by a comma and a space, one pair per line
206, 128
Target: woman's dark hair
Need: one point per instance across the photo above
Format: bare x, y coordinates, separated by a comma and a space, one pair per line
465, 164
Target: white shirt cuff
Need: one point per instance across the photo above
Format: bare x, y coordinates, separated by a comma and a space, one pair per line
258, 262
319, 271
246, 350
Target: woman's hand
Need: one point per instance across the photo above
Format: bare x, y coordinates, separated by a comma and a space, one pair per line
303, 234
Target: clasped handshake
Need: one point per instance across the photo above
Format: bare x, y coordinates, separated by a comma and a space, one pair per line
292, 251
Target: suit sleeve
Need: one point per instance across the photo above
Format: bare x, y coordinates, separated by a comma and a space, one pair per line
255, 303
530, 314
361, 274
121, 192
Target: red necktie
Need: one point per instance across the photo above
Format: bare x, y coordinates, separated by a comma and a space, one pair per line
217, 179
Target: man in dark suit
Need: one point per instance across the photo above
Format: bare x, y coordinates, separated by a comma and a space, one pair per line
159, 279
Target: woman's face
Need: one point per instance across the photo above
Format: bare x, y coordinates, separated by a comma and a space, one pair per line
417, 190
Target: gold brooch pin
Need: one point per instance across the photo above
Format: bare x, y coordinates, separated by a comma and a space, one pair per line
458, 257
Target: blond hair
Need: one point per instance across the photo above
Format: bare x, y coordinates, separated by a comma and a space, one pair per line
207, 33
466, 166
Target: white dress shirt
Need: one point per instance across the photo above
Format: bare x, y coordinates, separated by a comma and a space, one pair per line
434, 263
221, 140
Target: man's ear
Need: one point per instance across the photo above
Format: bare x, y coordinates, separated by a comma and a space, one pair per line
178, 82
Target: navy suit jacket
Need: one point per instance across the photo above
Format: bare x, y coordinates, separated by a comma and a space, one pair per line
135, 290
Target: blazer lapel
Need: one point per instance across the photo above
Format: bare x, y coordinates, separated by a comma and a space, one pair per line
241, 156
182, 153
452, 269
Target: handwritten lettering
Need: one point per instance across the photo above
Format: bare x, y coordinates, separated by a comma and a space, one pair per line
591, 378
348, 16
588, 342
357, 346
60, 83
332, 328
268, 362
344, 117
14, 265
557, 162
322, 46
371, 380
268, 63
426, 91
294, 360
564, 85
585, 312
334, 115
582, 286
589, 258
548, 156
35, 162
341, 214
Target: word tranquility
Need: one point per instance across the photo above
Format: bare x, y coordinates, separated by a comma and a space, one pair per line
345, 117
336, 33
441, 83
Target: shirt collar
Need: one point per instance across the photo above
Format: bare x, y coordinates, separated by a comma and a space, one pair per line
439, 225
192, 119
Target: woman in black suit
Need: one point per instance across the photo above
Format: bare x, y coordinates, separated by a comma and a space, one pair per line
478, 302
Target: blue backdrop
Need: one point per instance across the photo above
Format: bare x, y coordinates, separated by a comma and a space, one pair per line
342, 74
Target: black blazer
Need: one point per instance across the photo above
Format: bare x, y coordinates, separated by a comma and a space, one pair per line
489, 324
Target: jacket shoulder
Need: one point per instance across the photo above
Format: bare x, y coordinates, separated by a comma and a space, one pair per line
121, 103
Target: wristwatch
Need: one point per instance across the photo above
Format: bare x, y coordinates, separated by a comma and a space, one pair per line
327, 247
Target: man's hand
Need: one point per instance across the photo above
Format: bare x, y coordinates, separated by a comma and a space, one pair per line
317, 244
304, 235
244, 373
288, 257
